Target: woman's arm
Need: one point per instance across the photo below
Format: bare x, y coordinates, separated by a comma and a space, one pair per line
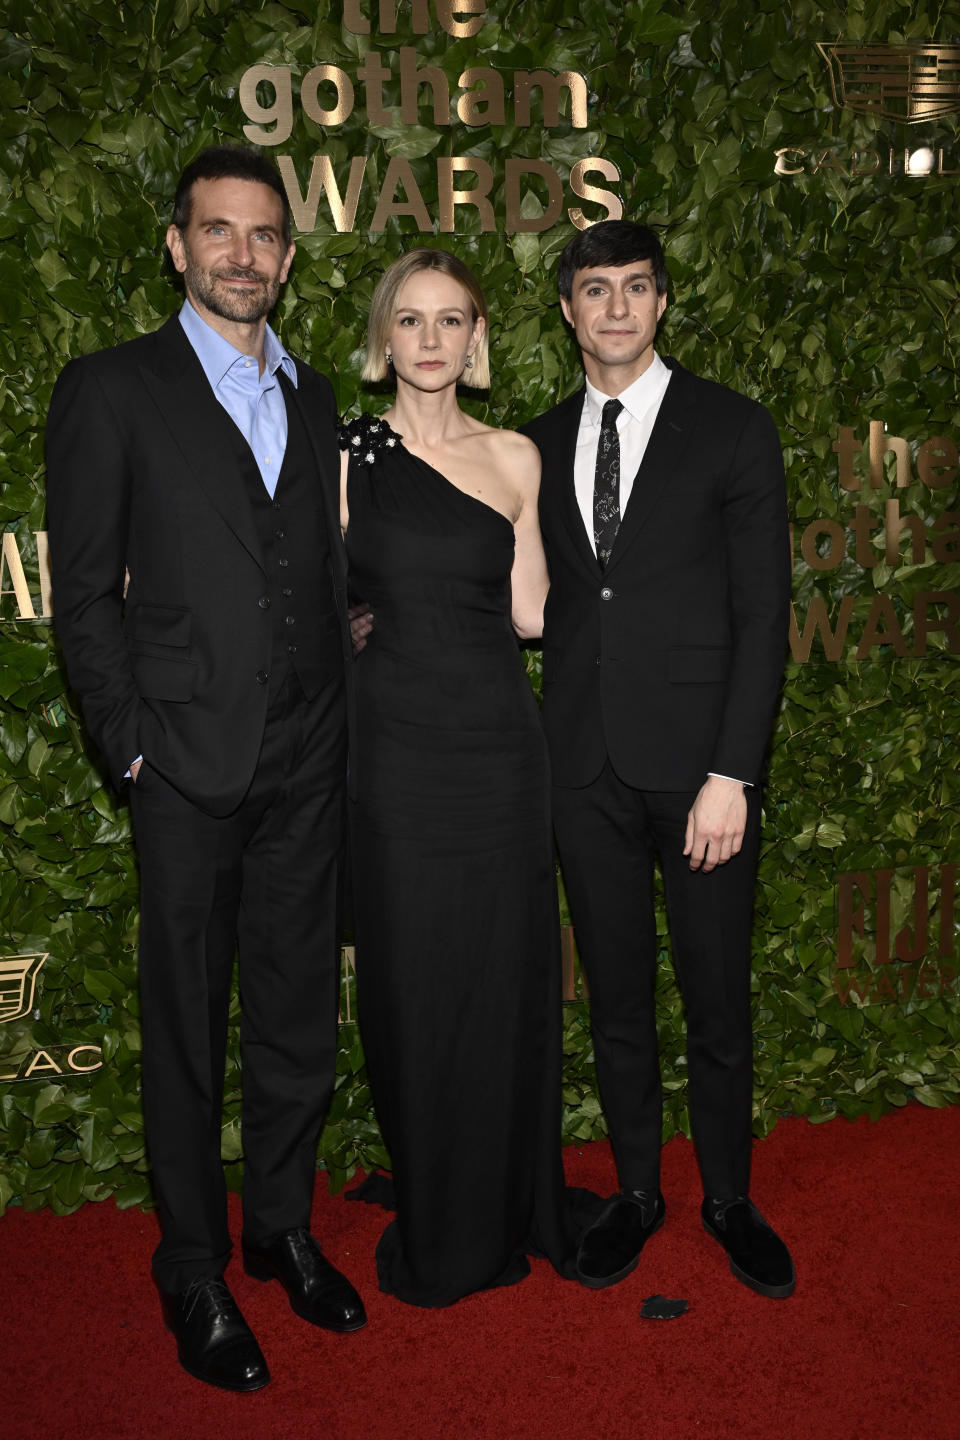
344, 512
529, 579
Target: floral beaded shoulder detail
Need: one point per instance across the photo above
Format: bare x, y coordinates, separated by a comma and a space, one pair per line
367, 437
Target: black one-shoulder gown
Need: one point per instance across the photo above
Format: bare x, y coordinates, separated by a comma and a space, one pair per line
455, 889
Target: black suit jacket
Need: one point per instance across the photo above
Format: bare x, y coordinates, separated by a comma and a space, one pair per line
142, 473
669, 661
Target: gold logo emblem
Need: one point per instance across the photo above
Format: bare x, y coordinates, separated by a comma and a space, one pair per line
911, 83
18, 981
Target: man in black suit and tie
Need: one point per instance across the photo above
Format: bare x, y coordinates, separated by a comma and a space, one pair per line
200, 462
663, 513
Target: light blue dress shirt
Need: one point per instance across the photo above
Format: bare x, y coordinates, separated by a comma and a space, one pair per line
253, 401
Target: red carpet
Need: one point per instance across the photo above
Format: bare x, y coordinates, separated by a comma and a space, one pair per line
867, 1348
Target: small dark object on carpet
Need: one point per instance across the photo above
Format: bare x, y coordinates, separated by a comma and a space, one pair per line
658, 1307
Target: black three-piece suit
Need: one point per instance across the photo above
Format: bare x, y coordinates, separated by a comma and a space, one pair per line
224, 668
658, 669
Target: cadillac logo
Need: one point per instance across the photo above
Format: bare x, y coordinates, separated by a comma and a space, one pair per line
18, 981
910, 83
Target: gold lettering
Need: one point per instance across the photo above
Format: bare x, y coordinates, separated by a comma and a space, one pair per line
341, 82
46, 580
880, 445
447, 167
829, 160
946, 548
894, 526
838, 544
949, 625
937, 462
881, 609
783, 165
322, 181
525, 81
374, 74
484, 105
354, 19
420, 17
568, 954
280, 112
75, 1065
818, 621
41, 1061
400, 172
594, 165
10, 556
349, 956
516, 220
461, 29
856, 169
846, 446
411, 78
864, 524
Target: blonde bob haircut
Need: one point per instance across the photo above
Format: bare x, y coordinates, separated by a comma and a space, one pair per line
383, 308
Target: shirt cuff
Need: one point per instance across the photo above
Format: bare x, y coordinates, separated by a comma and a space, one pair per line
747, 784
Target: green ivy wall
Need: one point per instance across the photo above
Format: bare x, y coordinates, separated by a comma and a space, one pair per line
830, 296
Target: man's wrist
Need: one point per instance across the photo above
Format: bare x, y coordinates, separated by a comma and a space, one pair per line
715, 775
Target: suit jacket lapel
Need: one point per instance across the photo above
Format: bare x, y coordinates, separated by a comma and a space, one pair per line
329, 481
669, 438
562, 492
204, 432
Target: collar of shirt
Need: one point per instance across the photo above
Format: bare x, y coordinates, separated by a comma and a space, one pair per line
218, 356
636, 400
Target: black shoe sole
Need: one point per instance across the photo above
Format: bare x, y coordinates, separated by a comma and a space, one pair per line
259, 1270
601, 1282
772, 1292
222, 1384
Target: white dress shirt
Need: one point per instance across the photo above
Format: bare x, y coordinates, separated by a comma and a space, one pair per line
641, 406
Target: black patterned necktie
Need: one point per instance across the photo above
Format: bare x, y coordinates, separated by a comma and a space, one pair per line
606, 483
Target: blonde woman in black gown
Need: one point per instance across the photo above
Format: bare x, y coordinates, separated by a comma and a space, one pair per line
455, 901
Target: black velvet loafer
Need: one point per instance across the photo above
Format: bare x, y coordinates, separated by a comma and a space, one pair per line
214, 1342
317, 1290
758, 1256
610, 1249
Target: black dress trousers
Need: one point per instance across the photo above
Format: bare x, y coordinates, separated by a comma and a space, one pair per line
264, 882
607, 835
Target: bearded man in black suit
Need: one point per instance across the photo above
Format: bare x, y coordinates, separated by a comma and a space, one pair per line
663, 513
200, 585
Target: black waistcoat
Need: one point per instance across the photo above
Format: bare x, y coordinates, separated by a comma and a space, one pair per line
298, 596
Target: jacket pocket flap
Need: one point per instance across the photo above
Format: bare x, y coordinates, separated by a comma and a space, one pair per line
160, 625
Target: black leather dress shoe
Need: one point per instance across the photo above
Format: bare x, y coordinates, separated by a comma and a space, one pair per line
317, 1290
214, 1342
758, 1256
610, 1249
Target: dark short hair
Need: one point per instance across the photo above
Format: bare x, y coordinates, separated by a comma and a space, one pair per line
228, 162
611, 242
